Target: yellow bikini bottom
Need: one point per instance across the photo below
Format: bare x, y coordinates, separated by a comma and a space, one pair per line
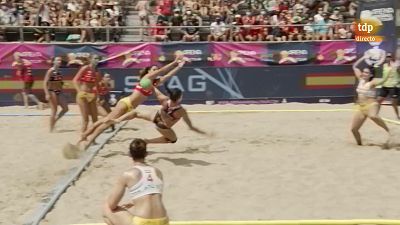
364, 107
127, 102
89, 97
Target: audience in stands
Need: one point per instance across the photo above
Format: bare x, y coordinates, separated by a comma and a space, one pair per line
77, 13
223, 20
287, 20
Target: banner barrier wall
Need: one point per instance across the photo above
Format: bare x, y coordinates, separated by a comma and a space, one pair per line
200, 84
124, 56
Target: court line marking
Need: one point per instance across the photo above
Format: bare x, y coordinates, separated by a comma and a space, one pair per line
60, 188
282, 222
207, 111
268, 110
391, 121
62, 185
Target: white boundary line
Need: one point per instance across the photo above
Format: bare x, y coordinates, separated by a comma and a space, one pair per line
47, 203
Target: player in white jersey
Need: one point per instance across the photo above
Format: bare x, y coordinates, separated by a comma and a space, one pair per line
144, 185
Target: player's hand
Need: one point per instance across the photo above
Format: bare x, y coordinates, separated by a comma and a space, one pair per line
47, 97
179, 56
181, 63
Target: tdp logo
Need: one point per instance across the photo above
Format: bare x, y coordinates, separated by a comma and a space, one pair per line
366, 29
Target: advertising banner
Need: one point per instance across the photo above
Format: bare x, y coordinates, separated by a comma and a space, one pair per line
336, 53
217, 55
38, 55
237, 55
129, 55
78, 55
289, 53
197, 53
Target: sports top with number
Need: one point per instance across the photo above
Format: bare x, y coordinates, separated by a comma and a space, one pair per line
148, 184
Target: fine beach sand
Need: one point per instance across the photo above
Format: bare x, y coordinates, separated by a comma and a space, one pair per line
286, 165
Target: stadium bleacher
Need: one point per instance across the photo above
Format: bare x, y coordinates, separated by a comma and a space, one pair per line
57, 13
285, 20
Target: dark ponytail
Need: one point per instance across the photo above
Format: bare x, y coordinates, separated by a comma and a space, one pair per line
174, 93
144, 72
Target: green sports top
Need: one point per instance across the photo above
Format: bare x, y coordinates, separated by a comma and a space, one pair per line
391, 76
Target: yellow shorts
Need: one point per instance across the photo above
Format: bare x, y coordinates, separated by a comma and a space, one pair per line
127, 102
364, 107
142, 221
89, 97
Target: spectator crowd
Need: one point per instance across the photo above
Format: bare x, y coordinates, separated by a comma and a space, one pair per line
192, 20
76, 13
255, 20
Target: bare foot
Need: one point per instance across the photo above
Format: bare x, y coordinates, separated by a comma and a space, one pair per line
388, 144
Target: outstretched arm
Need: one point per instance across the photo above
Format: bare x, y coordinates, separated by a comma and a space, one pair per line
172, 72
189, 123
160, 96
357, 71
164, 69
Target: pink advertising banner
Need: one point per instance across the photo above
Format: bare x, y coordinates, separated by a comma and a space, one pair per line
237, 55
38, 55
336, 53
140, 55
129, 55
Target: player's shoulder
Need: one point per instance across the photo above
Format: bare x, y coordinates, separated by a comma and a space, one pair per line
131, 172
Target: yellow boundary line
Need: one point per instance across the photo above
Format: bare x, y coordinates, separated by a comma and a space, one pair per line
213, 111
281, 222
391, 121
282, 110
268, 110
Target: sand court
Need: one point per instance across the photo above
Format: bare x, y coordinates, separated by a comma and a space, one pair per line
259, 166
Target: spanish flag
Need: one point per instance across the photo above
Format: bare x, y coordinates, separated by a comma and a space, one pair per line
329, 80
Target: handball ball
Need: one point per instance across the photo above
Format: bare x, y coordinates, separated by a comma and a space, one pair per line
145, 83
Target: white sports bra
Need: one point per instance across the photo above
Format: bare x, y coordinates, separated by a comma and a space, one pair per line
148, 184
364, 88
